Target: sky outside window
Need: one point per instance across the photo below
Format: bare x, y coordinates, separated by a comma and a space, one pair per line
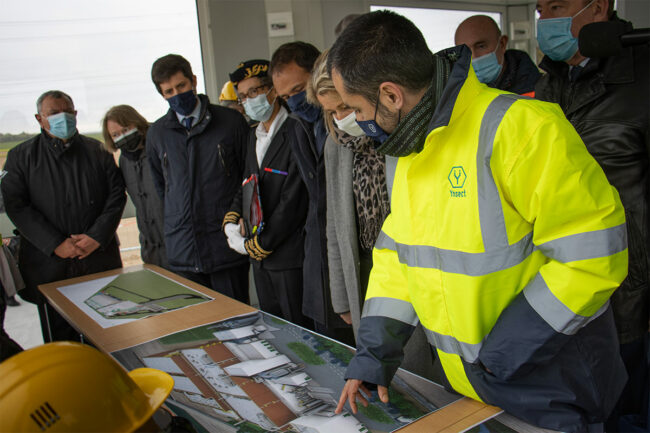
437, 25
100, 52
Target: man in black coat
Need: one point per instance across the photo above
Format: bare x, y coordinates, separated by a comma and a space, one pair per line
607, 101
494, 65
274, 190
196, 152
65, 195
290, 69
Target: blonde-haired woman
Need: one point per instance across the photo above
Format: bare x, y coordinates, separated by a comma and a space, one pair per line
125, 129
357, 204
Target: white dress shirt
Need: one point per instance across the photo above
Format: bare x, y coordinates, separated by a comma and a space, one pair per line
265, 138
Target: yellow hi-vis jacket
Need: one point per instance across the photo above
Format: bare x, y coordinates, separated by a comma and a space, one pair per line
505, 242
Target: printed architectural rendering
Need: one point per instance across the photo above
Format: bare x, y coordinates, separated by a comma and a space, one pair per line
143, 293
259, 373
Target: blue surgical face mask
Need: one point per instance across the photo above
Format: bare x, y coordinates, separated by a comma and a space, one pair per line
371, 128
555, 38
299, 105
62, 125
183, 103
487, 67
258, 108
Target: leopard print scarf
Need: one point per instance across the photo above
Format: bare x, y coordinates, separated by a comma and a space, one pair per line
368, 184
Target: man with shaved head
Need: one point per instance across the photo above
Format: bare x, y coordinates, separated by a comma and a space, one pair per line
510, 70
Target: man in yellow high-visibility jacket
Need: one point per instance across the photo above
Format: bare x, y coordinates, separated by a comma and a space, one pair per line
505, 239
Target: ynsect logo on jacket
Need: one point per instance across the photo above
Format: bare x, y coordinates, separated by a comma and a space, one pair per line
457, 178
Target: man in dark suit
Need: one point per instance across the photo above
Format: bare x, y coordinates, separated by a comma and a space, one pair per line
290, 68
196, 155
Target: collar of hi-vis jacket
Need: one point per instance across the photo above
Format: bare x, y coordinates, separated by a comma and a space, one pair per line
460, 90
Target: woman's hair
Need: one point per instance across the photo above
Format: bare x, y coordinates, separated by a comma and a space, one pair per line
123, 115
321, 83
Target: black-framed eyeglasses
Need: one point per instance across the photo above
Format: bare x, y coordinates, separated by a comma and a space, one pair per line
252, 93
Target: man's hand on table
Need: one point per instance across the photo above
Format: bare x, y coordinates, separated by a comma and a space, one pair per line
353, 390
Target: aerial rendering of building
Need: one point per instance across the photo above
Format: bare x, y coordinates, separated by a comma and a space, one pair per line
243, 378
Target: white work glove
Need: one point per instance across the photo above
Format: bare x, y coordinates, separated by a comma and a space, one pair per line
235, 239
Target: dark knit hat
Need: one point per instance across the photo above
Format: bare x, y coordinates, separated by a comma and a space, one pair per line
250, 68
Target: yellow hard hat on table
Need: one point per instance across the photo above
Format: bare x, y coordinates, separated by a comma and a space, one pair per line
71, 387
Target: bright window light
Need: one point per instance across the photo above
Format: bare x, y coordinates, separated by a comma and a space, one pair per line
99, 52
437, 25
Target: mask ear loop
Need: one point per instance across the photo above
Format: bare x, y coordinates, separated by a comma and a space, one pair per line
274, 99
374, 119
583, 9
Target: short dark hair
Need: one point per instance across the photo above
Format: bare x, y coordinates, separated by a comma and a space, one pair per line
168, 65
302, 53
345, 21
381, 46
56, 94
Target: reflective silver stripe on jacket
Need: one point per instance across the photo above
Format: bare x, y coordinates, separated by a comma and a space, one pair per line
390, 307
448, 344
493, 223
588, 245
391, 166
499, 254
458, 262
404, 312
553, 311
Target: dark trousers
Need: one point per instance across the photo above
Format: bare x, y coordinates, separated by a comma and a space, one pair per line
8, 347
231, 282
54, 327
280, 293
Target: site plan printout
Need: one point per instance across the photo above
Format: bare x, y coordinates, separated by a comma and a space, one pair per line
257, 373
135, 295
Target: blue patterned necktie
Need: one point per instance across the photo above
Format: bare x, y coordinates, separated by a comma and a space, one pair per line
188, 122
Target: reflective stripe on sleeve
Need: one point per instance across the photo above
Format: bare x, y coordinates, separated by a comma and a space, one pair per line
588, 245
403, 311
392, 308
553, 311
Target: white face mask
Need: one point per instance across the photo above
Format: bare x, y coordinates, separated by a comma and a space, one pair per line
258, 108
349, 125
